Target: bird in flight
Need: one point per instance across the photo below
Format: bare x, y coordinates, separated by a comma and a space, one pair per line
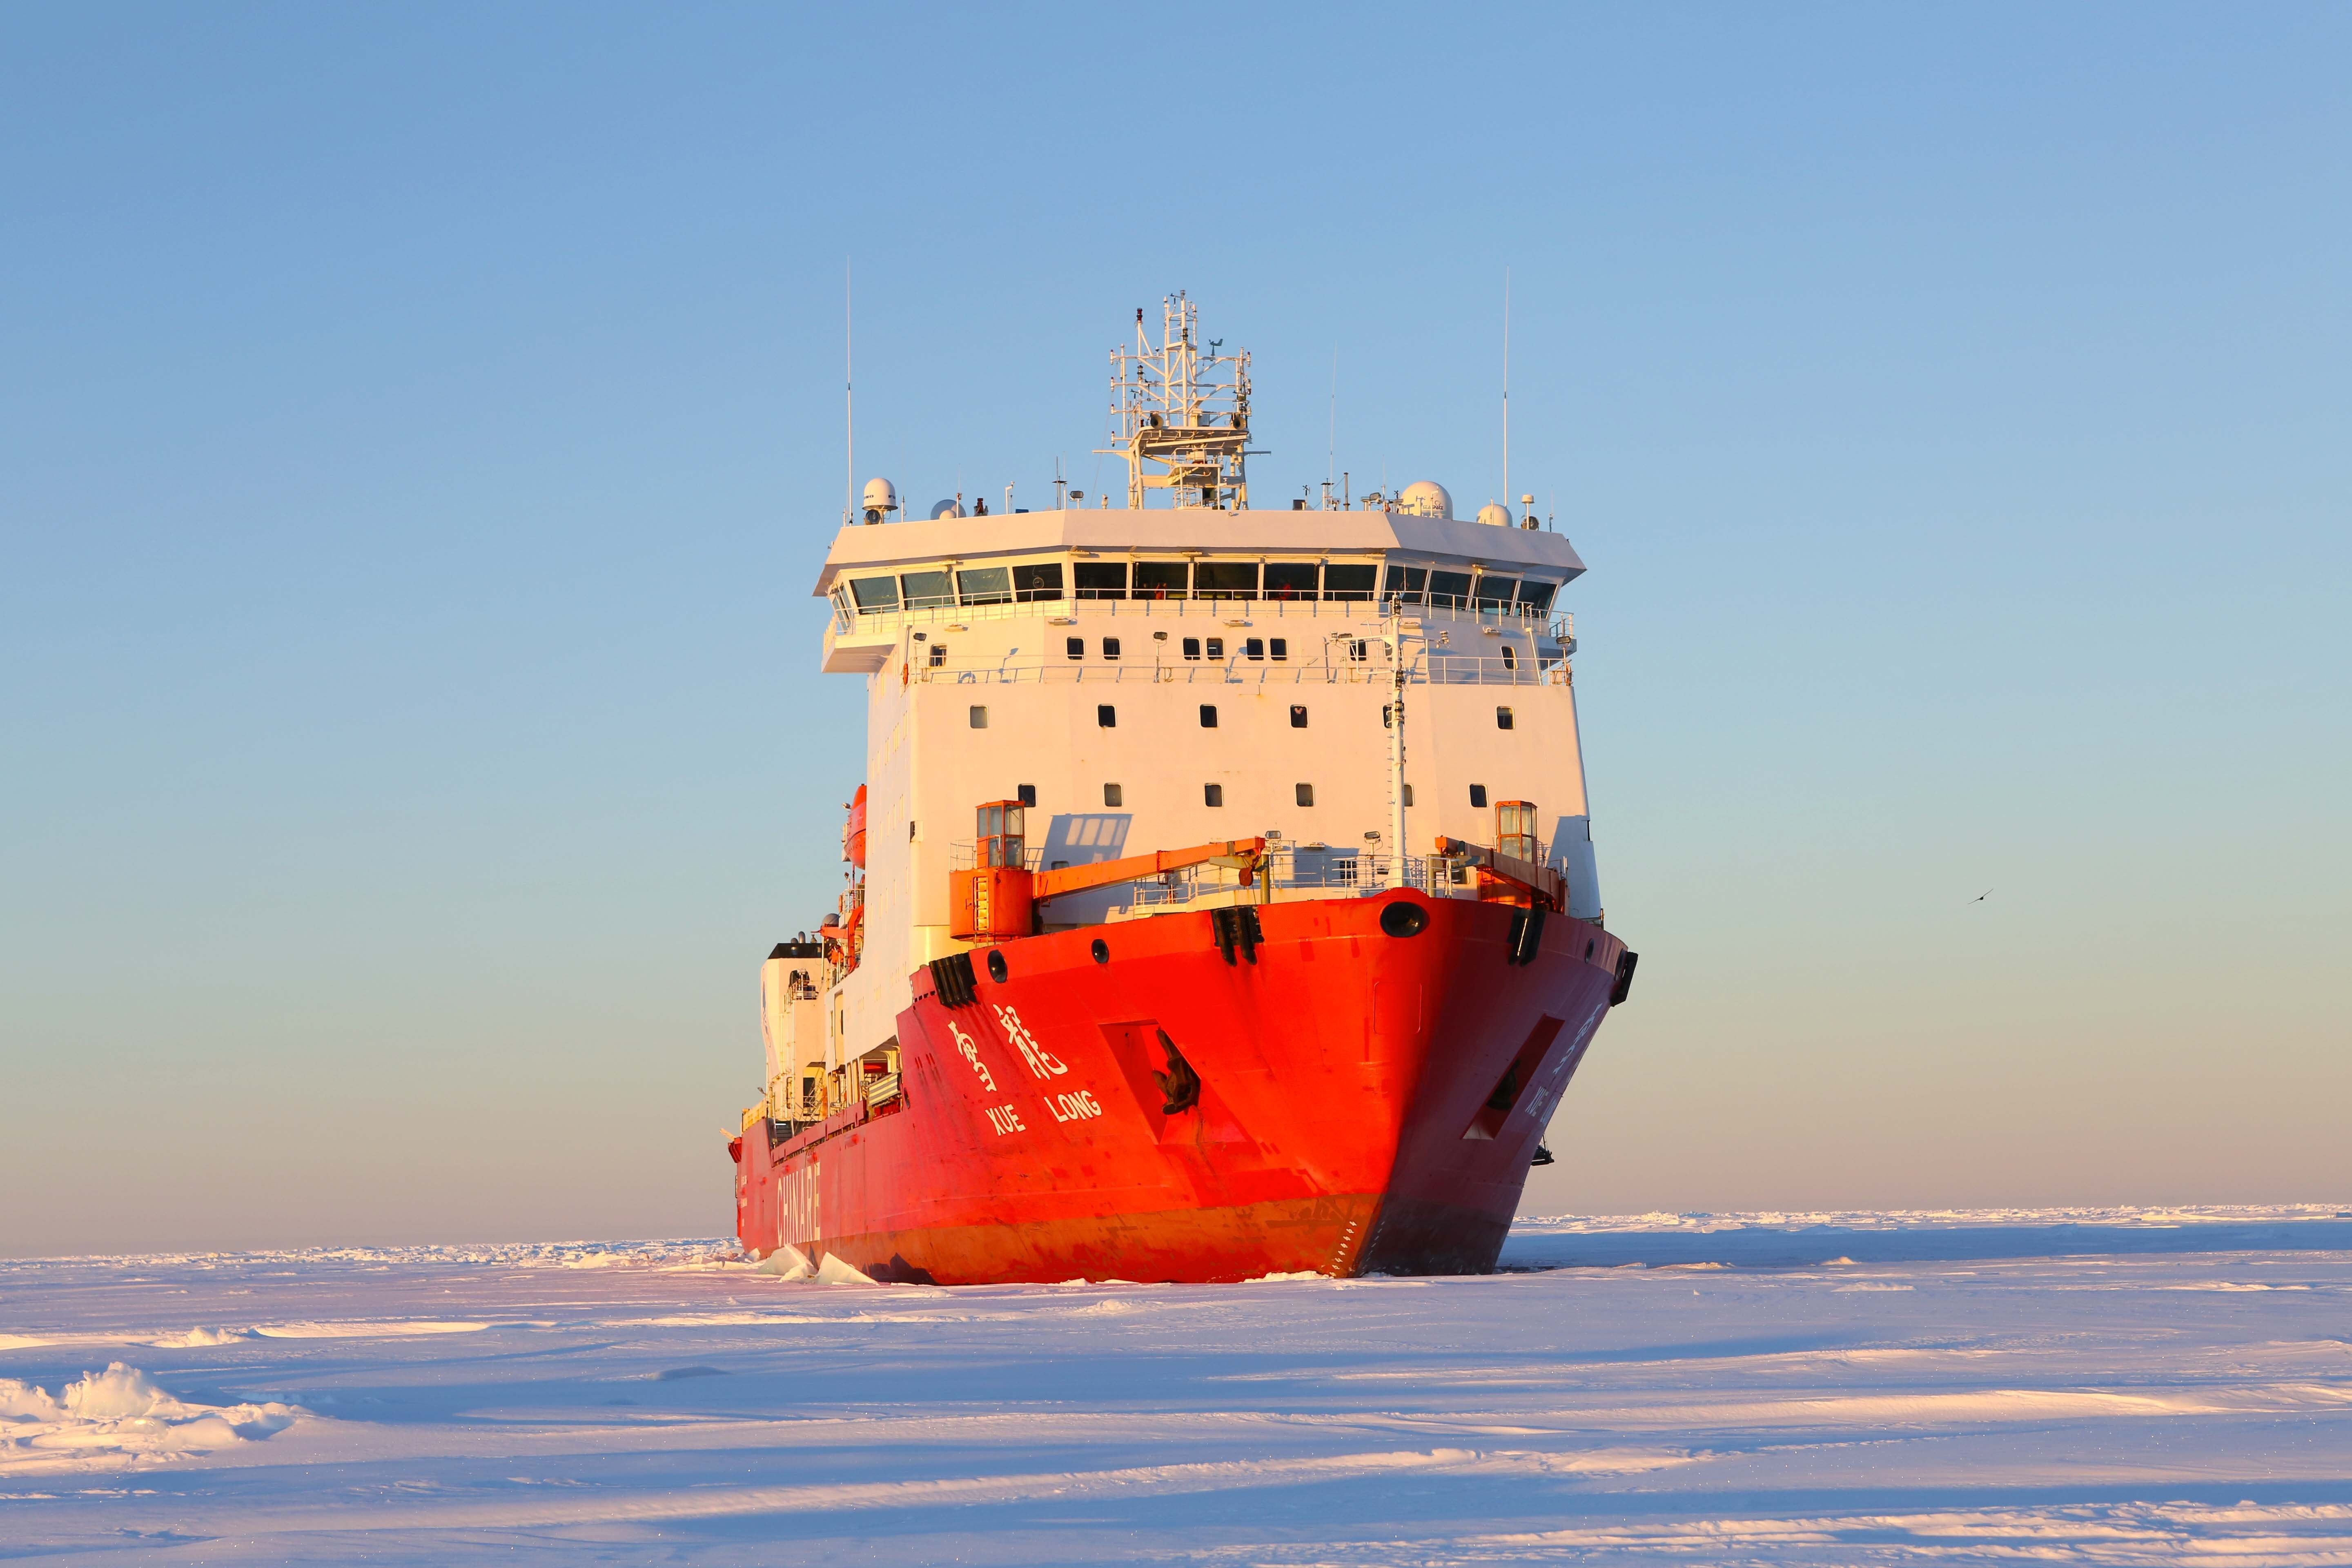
1981, 897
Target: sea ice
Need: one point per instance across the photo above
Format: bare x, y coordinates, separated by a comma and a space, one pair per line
2106, 1386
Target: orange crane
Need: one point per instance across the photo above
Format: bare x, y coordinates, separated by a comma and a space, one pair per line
996, 901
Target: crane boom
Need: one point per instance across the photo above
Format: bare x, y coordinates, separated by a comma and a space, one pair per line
1248, 854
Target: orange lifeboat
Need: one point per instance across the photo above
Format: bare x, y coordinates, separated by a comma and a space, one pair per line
853, 836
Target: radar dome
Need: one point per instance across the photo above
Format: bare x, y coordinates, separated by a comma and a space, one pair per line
948, 509
1425, 497
880, 500
1495, 515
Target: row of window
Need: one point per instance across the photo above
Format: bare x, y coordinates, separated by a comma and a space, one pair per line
1275, 580
1107, 716
1277, 649
1214, 794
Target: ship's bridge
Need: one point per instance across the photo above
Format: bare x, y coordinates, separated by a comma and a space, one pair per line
1186, 563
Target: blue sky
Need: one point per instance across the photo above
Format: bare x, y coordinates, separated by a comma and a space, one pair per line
421, 427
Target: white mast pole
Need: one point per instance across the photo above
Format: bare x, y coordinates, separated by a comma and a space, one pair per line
1507, 386
849, 405
1396, 743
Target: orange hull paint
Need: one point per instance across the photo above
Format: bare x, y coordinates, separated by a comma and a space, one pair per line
1366, 1103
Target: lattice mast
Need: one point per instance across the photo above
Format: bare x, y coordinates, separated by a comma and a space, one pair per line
1180, 413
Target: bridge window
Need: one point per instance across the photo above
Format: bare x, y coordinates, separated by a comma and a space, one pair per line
1478, 796
1298, 715
927, 590
1075, 647
1349, 583
984, 585
1290, 580
1108, 717
1212, 795
1406, 582
1449, 590
1102, 579
874, 595
1113, 796
1208, 715
1192, 647
1161, 579
1305, 794
1495, 593
1224, 580
1535, 597
1039, 580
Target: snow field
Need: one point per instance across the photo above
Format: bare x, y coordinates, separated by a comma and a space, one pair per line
2113, 1387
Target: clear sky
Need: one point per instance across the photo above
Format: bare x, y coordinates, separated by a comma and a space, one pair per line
420, 426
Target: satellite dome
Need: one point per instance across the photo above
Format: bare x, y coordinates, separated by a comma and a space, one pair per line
1495, 515
880, 500
948, 509
1425, 497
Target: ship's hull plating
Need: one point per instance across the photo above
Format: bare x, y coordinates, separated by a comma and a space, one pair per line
1365, 1103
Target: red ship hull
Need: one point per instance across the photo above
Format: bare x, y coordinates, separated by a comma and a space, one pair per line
1366, 1102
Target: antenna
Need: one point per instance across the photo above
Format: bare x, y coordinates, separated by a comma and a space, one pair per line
1331, 458
848, 403
1507, 386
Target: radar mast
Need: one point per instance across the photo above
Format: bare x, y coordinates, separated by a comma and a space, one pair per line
1180, 413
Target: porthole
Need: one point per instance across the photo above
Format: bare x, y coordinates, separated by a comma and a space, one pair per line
1405, 918
995, 965
1101, 950
1588, 950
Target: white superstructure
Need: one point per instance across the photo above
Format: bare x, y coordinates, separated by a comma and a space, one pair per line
1154, 677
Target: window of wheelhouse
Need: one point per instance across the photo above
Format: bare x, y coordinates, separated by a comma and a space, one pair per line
1496, 592
1101, 579
1349, 582
1035, 581
1001, 841
927, 590
985, 585
874, 595
1535, 596
1449, 590
1406, 582
1290, 579
1224, 579
1162, 579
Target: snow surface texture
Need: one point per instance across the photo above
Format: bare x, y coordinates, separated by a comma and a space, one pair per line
2090, 1386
